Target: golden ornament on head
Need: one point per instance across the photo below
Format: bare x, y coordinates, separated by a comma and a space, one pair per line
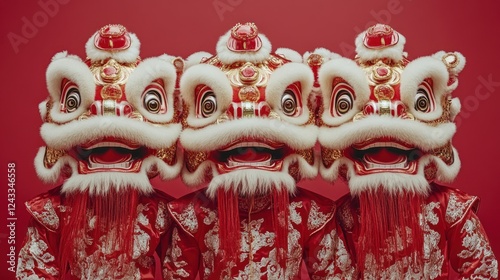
450, 60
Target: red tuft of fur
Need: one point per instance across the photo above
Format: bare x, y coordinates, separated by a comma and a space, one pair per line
229, 224
114, 212
390, 230
280, 218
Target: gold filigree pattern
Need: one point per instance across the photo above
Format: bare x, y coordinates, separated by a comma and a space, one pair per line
314, 59
328, 156
446, 116
445, 153
111, 72
450, 60
249, 94
194, 159
167, 154
52, 156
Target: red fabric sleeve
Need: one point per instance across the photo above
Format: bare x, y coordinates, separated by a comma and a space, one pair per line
38, 255
182, 258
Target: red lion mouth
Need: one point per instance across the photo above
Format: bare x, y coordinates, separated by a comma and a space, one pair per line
384, 155
110, 155
242, 154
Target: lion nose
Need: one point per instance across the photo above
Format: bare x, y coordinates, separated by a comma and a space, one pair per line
393, 108
249, 109
109, 107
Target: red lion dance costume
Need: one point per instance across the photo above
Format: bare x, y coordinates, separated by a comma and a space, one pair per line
249, 131
386, 127
111, 123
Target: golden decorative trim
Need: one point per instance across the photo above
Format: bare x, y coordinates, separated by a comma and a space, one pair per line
445, 153
314, 59
52, 156
248, 109
109, 107
194, 159
249, 93
328, 156
450, 60
111, 91
383, 92
167, 154
446, 116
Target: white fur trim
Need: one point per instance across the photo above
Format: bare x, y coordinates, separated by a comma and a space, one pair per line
129, 55
331, 173
102, 183
460, 65
395, 53
249, 182
307, 171
417, 133
455, 107
217, 136
453, 71
289, 54
326, 54
447, 173
392, 182
348, 70
197, 58
146, 72
227, 56
66, 136
197, 178
413, 75
72, 68
165, 171
42, 109
283, 77
213, 77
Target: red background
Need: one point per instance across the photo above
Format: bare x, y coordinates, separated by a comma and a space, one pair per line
183, 27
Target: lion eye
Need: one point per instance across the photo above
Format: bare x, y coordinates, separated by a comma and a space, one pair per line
289, 103
342, 99
422, 101
154, 98
424, 98
208, 104
343, 102
72, 101
152, 101
70, 97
